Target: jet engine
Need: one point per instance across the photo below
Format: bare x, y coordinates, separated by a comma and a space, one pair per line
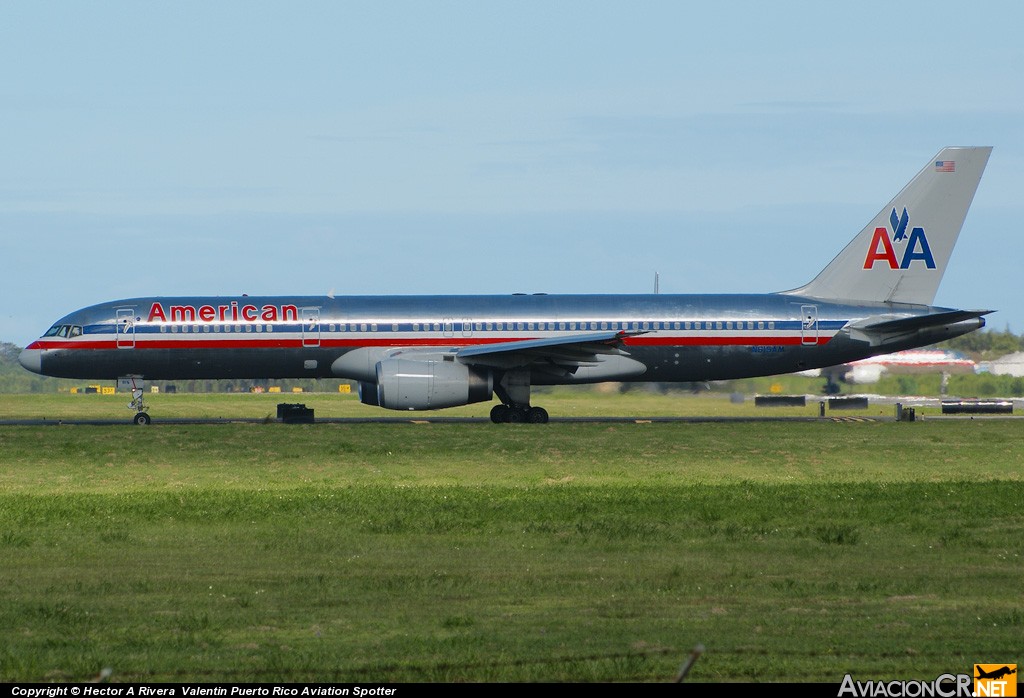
410, 384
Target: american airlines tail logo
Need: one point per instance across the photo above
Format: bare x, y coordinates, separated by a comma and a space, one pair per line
882, 249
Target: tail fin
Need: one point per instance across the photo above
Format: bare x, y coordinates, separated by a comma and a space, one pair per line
901, 254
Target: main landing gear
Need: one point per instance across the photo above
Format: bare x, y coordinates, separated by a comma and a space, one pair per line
505, 414
513, 389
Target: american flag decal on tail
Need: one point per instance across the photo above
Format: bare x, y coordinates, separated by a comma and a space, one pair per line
945, 165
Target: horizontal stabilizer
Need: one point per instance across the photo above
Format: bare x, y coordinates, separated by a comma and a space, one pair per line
923, 329
917, 322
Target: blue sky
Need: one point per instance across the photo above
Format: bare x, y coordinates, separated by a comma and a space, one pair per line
370, 148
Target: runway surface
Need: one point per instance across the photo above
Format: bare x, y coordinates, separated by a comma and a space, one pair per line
421, 419
444, 420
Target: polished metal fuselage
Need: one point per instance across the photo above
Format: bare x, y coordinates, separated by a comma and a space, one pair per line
680, 337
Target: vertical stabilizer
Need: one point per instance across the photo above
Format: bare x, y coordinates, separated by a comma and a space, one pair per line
901, 254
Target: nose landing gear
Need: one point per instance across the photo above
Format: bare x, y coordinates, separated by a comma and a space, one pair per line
136, 385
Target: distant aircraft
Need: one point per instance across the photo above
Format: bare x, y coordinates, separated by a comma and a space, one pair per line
870, 370
431, 352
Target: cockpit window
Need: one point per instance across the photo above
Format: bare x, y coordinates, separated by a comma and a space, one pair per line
64, 331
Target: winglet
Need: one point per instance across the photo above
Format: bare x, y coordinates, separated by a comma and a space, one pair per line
901, 254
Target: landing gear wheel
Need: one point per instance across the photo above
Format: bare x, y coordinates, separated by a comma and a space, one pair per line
537, 415
505, 414
142, 418
499, 414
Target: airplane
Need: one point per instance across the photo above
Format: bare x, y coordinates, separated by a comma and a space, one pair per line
995, 674
434, 352
870, 370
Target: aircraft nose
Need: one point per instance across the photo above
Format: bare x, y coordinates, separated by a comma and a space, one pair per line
32, 359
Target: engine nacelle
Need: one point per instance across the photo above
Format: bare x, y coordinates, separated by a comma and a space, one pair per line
410, 384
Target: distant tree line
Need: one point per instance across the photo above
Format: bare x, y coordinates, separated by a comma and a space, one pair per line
986, 345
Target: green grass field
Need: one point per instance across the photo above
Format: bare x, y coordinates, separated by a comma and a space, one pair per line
794, 551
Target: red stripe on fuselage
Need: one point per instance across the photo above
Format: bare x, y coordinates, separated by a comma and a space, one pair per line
446, 342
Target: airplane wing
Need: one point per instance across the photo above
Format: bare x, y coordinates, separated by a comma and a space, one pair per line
566, 352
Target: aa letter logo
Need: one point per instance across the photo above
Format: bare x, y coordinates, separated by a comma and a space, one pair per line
995, 680
882, 247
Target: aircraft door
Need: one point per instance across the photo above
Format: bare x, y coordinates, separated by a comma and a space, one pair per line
126, 328
311, 327
808, 325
